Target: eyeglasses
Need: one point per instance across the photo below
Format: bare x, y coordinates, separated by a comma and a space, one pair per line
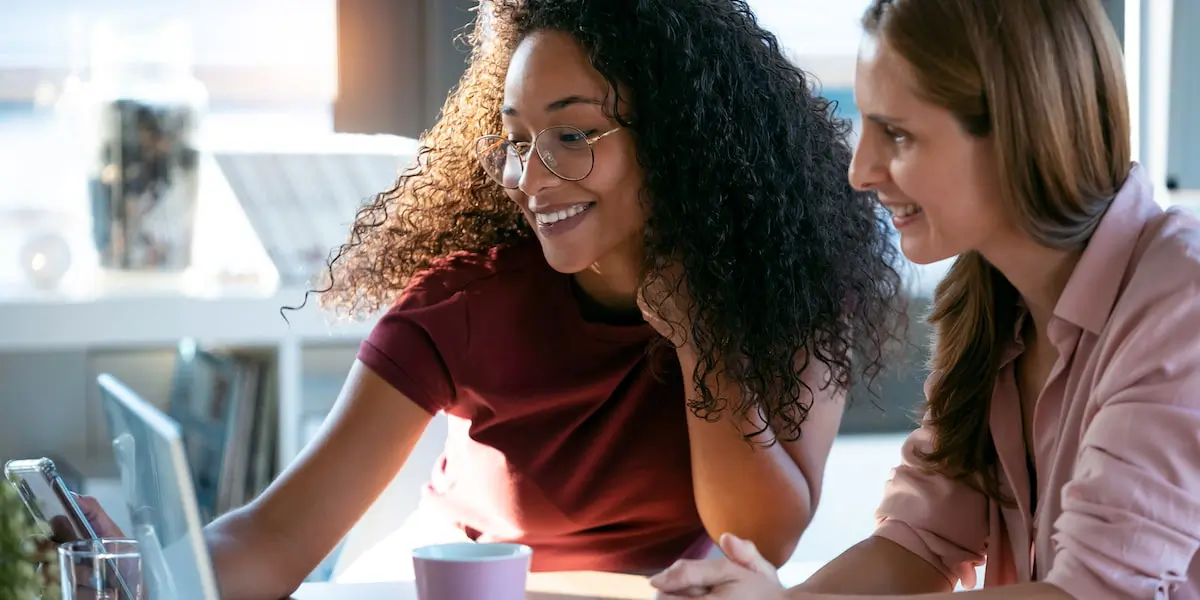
566, 151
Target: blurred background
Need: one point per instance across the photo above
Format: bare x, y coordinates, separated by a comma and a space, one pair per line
248, 132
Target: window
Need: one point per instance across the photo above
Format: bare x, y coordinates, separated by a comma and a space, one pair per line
246, 52
813, 28
822, 38
267, 66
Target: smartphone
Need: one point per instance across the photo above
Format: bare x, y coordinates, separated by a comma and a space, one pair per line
53, 507
49, 501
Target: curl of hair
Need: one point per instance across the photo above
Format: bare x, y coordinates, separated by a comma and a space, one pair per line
745, 171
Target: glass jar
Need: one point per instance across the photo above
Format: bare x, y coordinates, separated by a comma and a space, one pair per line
144, 107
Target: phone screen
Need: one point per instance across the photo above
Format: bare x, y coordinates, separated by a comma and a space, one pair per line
49, 501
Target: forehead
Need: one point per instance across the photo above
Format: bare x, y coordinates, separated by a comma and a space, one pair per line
548, 66
883, 80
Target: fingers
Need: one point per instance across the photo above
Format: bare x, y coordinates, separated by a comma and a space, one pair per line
100, 521
89, 505
690, 576
733, 550
745, 553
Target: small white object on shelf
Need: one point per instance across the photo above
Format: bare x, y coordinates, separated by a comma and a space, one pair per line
45, 259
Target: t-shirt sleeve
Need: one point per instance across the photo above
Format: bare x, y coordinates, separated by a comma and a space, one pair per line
409, 345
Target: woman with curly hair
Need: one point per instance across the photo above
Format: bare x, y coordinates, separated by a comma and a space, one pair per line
1061, 443
626, 264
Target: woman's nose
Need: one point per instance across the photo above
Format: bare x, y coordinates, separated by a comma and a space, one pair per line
866, 168
536, 177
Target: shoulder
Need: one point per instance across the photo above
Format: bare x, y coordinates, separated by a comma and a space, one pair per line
436, 302
1151, 331
1166, 265
432, 318
498, 269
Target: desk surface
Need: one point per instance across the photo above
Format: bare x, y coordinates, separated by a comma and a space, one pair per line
542, 586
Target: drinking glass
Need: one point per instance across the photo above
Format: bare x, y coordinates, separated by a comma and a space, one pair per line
105, 569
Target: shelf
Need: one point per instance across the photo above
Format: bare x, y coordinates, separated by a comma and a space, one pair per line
33, 324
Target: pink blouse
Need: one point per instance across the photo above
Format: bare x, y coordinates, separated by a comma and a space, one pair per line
1117, 432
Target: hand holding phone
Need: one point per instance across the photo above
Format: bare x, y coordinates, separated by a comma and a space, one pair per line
48, 500
59, 512
95, 516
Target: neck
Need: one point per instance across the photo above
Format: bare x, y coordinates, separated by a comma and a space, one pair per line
1039, 274
612, 282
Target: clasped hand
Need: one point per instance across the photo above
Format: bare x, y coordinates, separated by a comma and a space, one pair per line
743, 575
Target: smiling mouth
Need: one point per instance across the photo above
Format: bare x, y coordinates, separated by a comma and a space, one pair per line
904, 210
550, 218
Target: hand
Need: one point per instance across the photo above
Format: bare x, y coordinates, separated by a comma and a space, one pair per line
62, 532
101, 523
104, 527
666, 305
744, 574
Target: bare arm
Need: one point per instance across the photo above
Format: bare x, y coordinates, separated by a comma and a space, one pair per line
1024, 591
267, 548
777, 487
877, 566
872, 570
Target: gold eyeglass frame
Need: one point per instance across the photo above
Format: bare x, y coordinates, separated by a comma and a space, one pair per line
523, 149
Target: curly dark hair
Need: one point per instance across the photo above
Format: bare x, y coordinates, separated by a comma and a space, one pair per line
745, 171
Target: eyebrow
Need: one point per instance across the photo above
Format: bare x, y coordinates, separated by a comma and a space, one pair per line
885, 120
557, 105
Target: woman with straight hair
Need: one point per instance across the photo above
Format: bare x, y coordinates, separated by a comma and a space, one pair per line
1061, 441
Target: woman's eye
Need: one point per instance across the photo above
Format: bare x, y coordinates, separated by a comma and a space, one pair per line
574, 138
896, 135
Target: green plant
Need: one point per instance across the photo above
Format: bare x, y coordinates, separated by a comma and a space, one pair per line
20, 577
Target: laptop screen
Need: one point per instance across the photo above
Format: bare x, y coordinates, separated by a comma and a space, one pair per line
156, 482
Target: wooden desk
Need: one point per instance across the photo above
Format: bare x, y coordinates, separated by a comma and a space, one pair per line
542, 586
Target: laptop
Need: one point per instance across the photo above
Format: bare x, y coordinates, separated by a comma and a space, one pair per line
157, 484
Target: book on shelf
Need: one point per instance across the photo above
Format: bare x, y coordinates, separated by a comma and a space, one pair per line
226, 405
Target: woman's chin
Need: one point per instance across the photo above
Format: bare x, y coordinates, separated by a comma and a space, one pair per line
565, 262
921, 254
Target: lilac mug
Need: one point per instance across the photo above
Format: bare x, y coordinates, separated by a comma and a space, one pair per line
471, 571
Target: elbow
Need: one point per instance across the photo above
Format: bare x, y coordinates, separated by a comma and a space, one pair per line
779, 550
776, 537
243, 551
774, 546
279, 585
790, 528
786, 528
774, 525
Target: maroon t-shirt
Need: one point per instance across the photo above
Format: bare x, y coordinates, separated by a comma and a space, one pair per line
565, 434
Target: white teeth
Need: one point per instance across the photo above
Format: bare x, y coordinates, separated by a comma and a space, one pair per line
551, 218
904, 210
